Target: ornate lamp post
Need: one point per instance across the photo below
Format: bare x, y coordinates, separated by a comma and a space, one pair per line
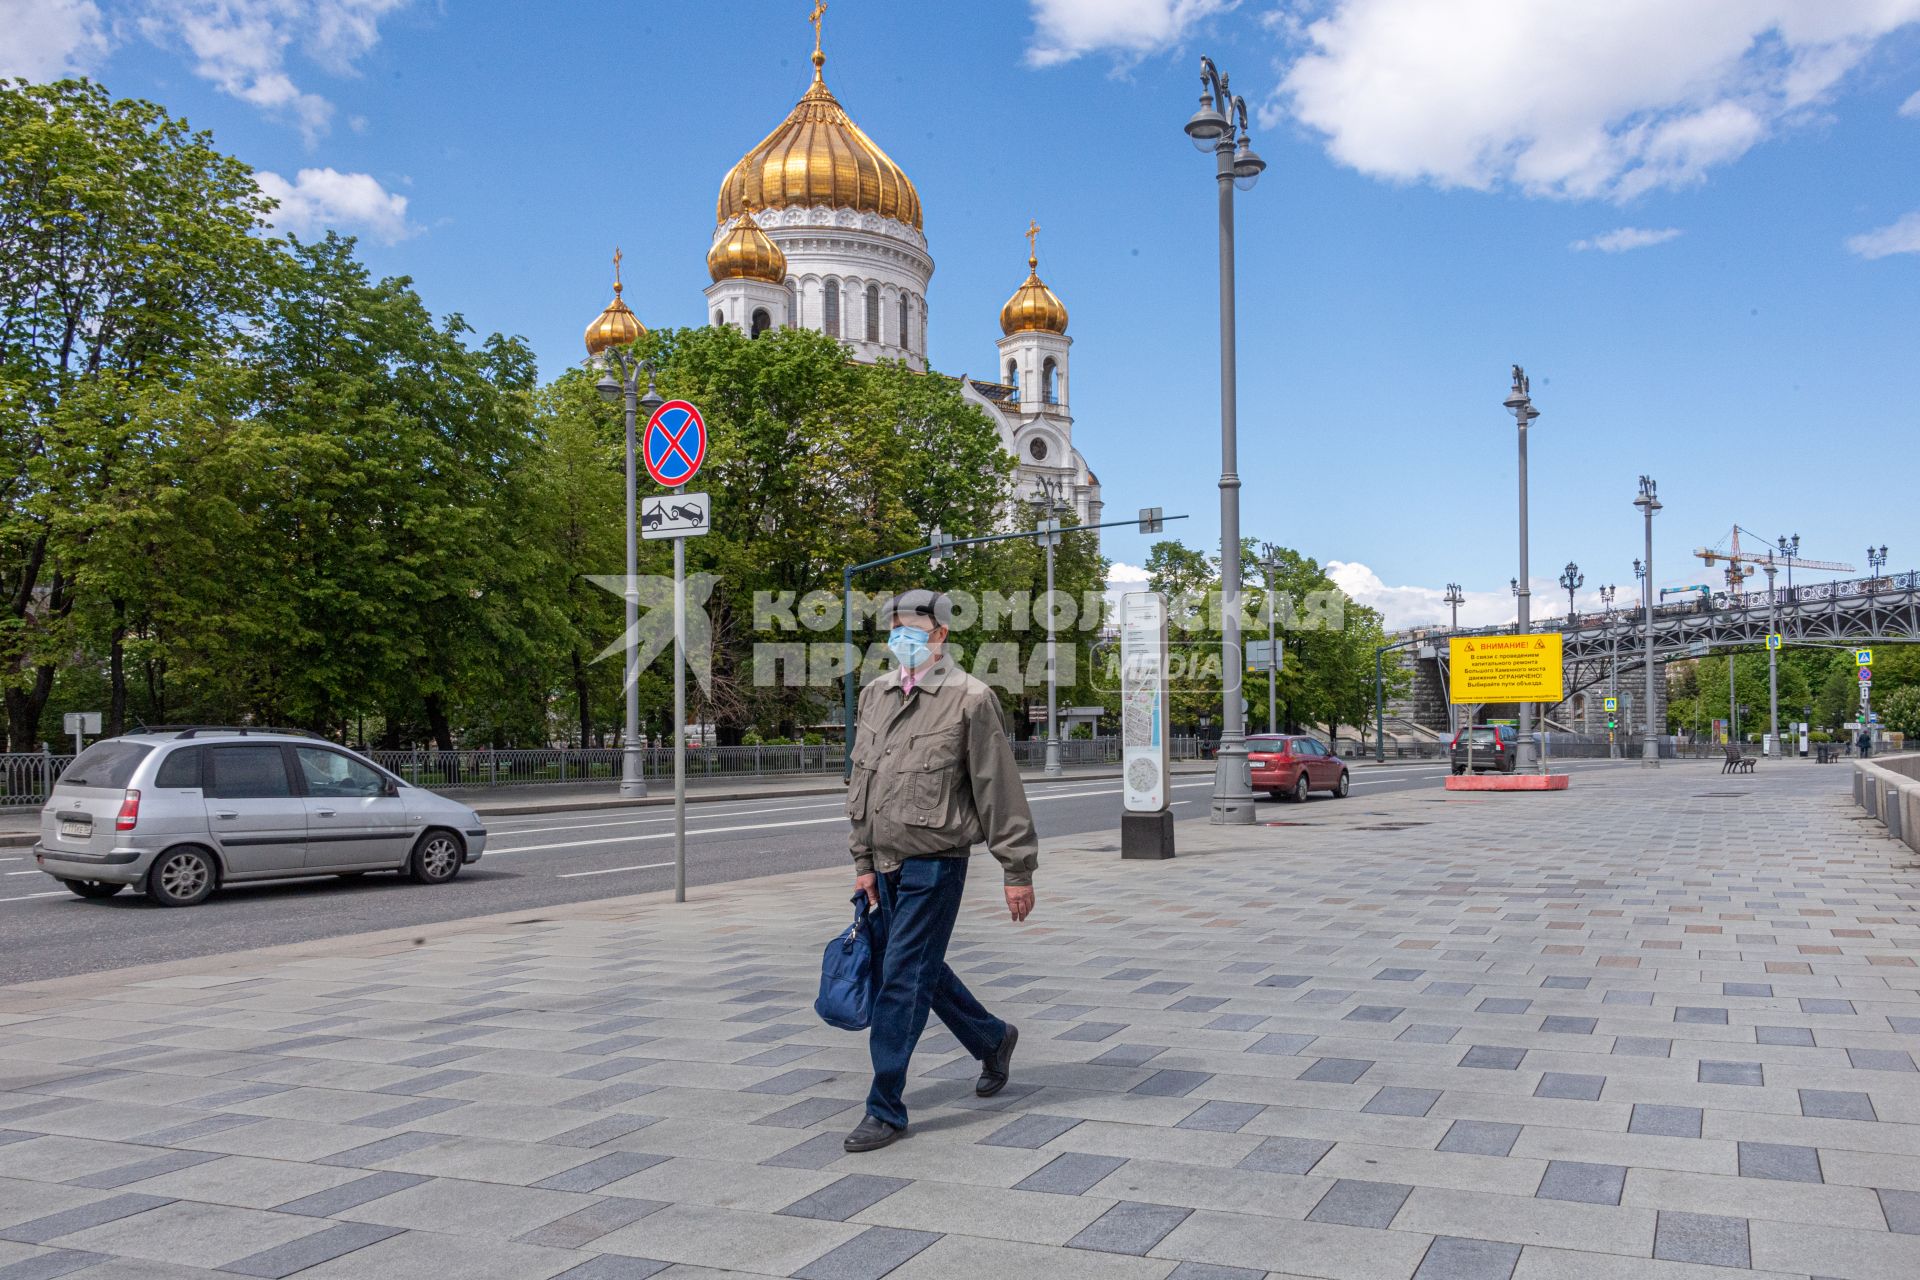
1789, 548
1222, 130
1648, 502
1572, 579
1454, 598
610, 340
1519, 402
1052, 503
1876, 561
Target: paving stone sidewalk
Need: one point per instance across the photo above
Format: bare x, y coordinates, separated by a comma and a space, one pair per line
1659, 1026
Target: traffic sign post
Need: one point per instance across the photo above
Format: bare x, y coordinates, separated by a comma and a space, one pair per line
1863, 657
80, 724
1774, 641
674, 448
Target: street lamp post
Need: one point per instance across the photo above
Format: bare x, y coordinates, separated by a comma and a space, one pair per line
1048, 535
1271, 563
1613, 672
1223, 130
1455, 597
1649, 502
1790, 550
610, 340
1572, 579
1773, 656
1876, 561
1519, 402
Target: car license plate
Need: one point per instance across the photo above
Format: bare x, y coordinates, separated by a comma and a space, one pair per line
76, 830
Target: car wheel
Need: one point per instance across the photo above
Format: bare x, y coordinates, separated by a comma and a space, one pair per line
1459, 769
181, 877
436, 858
1276, 795
1300, 788
93, 888
1340, 789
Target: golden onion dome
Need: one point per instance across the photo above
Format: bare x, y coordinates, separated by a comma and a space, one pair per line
617, 326
819, 156
746, 253
1033, 306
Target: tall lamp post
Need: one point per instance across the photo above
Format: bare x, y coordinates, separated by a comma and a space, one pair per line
1052, 503
1519, 402
1876, 561
1222, 129
1789, 549
1455, 597
1613, 672
1773, 658
1270, 562
1649, 502
1572, 580
610, 340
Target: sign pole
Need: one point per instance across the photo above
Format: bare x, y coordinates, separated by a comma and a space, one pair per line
679, 719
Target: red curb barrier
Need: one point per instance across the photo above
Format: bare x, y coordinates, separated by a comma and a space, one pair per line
1508, 782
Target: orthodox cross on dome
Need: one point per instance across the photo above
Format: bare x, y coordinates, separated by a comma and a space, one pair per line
616, 268
819, 11
1033, 234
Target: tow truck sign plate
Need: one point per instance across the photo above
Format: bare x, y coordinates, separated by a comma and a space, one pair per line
675, 515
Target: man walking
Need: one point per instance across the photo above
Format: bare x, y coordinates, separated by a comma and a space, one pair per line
932, 774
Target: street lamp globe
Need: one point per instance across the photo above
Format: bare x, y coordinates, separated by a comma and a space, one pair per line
1247, 166
1206, 125
609, 387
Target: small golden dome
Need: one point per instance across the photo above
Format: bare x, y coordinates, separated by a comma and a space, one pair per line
818, 156
1033, 305
746, 253
617, 326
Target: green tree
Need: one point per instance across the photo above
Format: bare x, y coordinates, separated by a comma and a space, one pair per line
1900, 711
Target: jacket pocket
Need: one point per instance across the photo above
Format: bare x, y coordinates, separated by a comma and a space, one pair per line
938, 768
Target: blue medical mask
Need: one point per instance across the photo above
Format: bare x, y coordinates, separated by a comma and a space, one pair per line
909, 645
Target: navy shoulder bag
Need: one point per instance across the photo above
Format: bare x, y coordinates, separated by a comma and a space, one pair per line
849, 972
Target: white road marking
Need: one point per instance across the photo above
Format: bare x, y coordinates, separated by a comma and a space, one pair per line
607, 871
668, 835
634, 822
34, 872
57, 893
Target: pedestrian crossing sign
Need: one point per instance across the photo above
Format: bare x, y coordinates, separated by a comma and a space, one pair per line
1613, 704
1773, 640
1863, 657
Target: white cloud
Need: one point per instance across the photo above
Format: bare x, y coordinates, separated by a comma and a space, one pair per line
241, 46
1122, 578
1571, 98
1900, 236
48, 39
324, 198
1911, 107
1066, 29
1626, 238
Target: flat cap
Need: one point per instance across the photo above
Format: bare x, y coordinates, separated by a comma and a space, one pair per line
919, 602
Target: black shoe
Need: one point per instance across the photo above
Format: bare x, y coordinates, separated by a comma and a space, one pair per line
993, 1071
871, 1134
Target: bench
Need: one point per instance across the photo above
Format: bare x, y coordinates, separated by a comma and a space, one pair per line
1737, 762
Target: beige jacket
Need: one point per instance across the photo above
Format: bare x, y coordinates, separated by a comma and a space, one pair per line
933, 775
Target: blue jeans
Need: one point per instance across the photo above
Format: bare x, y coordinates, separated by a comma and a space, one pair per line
918, 906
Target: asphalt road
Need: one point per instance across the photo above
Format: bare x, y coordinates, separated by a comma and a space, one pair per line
531, 861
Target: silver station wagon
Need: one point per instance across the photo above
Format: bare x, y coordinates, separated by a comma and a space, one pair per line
175, 814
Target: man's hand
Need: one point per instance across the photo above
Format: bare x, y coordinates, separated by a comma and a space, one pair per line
866, 884
1020, 901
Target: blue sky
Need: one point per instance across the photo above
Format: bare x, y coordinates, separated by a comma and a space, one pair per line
1430, 177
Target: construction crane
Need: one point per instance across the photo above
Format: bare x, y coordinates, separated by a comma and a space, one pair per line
1742, 565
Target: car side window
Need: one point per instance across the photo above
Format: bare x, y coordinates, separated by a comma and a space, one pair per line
328, 773
181, 768
247, 773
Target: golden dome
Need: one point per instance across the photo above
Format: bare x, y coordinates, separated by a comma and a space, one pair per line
1033, 305
617, 326
746, 253
818, 156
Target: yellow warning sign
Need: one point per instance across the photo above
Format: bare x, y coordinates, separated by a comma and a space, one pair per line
1505, 668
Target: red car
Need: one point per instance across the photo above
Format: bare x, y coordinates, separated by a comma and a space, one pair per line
1287, 767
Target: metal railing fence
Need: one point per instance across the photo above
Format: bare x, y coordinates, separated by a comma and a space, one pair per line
27, 776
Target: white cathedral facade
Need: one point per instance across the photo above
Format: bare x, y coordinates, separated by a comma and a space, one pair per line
817, 228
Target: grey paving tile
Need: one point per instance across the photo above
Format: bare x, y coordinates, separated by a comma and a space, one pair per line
1171, 1084
801, 1115
608, 1068
1400, 1101
1398, 975
1700, 1017
868, 1256
595, 1174
1744, 1073
1563, 982
1129, 1227
1207, 1271
1454, 1258
1563, 1084
1783, 1035
1337, 1070
1427, 1033
1503, 1004
1643, 1046
127, 1174
48, 1266
1288, 980
399, 1144
1578, 1180
1823, 1004
426, 1082
1221, 1117
1779, 1161
406, 1112
54, 1225
1030, 1130
816, 1152
1480, 1138
1350, 1202
597, 1132
1286, 1155
1236, 1022
1373, 1013
1562, 1024
1627, 997
193, 1130
1070, 1174
1092, 1032
1836, 1104
310, 1251
1662, 1120
1495, 1057
1701, 1237
1282, 1043
838, 1201
1746, 989
614, 1266
1196, 1004
1881, 1059
1902, 1210
349, 1195
578, 1230
796, 1081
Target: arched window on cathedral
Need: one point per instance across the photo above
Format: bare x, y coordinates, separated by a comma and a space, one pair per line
873, 313
903, 322
761, 322
1049, 392
830, 312
1013, 375
793, 306
718, 319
